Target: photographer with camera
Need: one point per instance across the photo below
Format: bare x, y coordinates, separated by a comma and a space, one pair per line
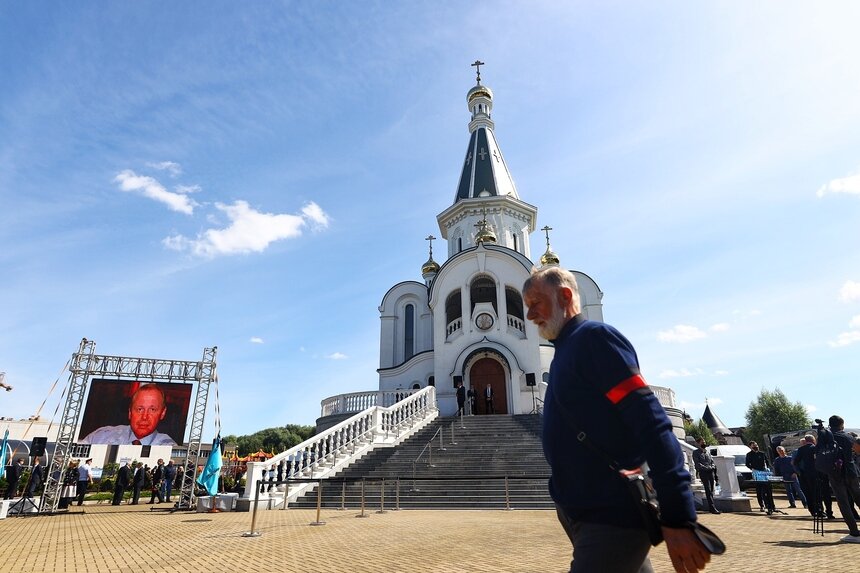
833, 458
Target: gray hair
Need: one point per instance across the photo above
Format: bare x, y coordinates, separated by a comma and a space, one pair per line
555, 278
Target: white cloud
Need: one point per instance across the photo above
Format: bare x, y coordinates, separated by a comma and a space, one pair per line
810, 408
687, 372
185, 189
855, 322
695, 406
850, 185
249, 230
171, 167
316, 215
681, 333
256, 340
719, 327
337, 356
845, 339
849, 292
682, 373
147, 186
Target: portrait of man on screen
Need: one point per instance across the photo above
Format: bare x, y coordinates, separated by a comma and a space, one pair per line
147, 409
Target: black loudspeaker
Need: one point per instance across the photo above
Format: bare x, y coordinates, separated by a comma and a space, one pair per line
37, 447
457, 380
530, 379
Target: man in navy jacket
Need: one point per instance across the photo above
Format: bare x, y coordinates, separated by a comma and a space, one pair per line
595, 388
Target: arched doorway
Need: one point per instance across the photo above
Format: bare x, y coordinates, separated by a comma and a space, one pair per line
488, 371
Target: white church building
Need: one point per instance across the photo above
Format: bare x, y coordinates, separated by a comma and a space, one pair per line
465, 322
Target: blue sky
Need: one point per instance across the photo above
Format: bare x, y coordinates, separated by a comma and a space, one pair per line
257, 176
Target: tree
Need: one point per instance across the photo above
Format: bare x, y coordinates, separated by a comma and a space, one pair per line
271, 439
772, 413
700, 430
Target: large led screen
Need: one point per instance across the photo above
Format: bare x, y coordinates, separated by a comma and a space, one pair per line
133, 412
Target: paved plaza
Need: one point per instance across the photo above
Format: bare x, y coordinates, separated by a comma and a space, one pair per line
134, 539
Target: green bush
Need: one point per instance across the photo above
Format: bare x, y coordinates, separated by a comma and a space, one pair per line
106, 485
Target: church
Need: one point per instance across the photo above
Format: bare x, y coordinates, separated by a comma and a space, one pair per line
465, 323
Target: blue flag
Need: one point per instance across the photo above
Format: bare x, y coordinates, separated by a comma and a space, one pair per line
208, 478
3, 453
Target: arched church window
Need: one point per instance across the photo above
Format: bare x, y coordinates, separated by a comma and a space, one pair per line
545, 377
409, 332
514, 302
459, 244
516, 247
431, 381
416, 386
453, 307
483, 290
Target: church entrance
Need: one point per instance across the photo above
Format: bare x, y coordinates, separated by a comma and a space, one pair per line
488, 371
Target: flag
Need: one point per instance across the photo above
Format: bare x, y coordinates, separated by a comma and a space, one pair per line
3, 448
208, 478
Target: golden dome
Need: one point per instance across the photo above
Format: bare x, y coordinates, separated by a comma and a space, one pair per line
479, 91
430, 267
549, 258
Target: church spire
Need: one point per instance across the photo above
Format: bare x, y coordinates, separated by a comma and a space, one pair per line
484, 173
549, 257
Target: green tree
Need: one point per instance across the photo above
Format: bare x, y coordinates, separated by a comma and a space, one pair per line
772, 413
275, 439
700, 430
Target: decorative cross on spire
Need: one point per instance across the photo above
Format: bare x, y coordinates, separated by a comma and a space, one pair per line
477, 65
430, 238
547, 229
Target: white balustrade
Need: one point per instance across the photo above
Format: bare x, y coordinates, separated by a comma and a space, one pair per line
335, 448
359, 401
454, 326
516, 323
666, 396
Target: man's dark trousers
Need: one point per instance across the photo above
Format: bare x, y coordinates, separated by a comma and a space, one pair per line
601, 547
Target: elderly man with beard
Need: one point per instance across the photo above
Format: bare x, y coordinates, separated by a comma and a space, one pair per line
595, 390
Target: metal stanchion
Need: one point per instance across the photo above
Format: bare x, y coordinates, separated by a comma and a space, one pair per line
413, 478
362, 514
441, 441
397, 495
319, 504
343, 496
254, 532
453, 443
430, 456
382, 497
507, 495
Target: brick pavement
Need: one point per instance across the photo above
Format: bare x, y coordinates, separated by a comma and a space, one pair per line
134, 539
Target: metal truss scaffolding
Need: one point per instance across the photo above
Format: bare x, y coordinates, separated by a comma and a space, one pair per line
85, 363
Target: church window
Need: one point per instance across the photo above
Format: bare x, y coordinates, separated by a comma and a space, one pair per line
514, 302
459, 244
416, 386
515, 241
483, 290
545, 377
409, 334
453, 307
431, 381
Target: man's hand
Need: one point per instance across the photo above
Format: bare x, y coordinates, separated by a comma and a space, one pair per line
687, 553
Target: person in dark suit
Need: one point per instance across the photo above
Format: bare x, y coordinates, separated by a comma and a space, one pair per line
488, 397
461, 399
37, 474
13, 475
137, 483
123, 479
157, 482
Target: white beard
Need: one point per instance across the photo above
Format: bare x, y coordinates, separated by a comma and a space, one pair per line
551, 328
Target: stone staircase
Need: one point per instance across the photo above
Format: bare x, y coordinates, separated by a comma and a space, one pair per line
467, 474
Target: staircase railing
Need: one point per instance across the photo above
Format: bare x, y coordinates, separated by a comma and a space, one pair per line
336, 447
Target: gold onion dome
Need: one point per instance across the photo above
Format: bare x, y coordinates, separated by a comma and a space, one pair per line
479, 91
430, 266
549, 258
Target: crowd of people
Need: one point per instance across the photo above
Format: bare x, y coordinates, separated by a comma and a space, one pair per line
159, 481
